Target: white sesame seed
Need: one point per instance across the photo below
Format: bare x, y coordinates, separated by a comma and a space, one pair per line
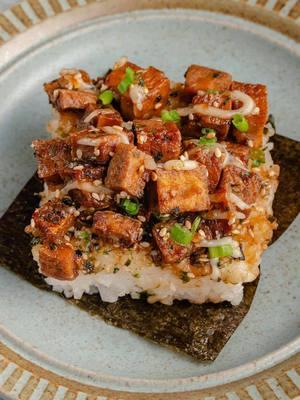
79, 153
251, 232
157, 105
216, 104
201, 233
141, 231
191, 117
141, 218
57, 193
218, 152
182, 158
272, 173
76, 213
123, 195
236, 231
187, 224
145, 244
250, 143
142, 168
186, 155
97, 182
256, 111
190, 275
96, 196
142, 139
111, 153
154, 176
231, 221
162, 232
84, 256
96, 152
78, 167
66, 237
32, 223
173, 193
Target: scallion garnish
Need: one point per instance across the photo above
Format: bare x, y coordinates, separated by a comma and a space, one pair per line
131, 207
195, 225
84, 235
106, 97
220, 251
181, 235
212, 91
170, 116
123, 86
240, 123
258, 157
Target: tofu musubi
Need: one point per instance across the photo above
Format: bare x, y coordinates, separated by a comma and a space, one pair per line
154, 188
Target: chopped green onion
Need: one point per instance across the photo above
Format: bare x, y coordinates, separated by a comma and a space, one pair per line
106, 97
123, 86
220, 251
84, 235
240, 122
170, 116
181, 235
258, 157
212, 91
130, 206
207, 141
206, 131
195, 225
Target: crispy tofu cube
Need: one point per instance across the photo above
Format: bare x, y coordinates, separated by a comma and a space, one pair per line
181, 191
52, 220
259, 94
94, 146
218, 100
214, 228
114, 226
52, 156
208, 159
90, 199
126, 170
171, 251
109, 117
86, 173
148, 94
74, 99
162, 140
58, 263
203, 78
238, 150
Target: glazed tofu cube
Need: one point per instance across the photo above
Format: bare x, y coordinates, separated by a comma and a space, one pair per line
83, 173
126, 170
214, 228
181, 191
218, 100
238, 150
58, 262
256, 122
52, 156
74, 99
52, 220
203, 78
91, 199
94, 146
162, 140
243, 184
113, 226
147, 95
171, 251
109, 117
207, 157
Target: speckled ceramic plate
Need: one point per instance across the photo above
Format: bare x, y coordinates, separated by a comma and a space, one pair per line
50, 349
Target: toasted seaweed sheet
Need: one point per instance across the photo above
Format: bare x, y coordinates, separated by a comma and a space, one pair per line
200, 331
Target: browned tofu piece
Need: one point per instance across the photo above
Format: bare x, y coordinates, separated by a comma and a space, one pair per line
90, 200
109, 117
203, 78
238, 150
218, 100
52, 221
215, 228
245, 185
94, 146
52, 156
181, 191
162, 140
171, 251
154, 84
113, 226
126, 170
259, 94
83, 172
74, 99
207, 157
58, 262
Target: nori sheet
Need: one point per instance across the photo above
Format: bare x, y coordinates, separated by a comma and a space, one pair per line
200, 331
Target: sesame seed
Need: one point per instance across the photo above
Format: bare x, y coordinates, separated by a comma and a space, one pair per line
66, 237
162, 232
79, 153
201, 233
84, 256
123, 195
32, 223
96, 152
256, 111
216, 104
182, 158
76, 213
78, 168
236, 231
145, 244
116, 245
157, 105
251, 232
191, 117
250, 143
231, 221
173, 193
165, 238
141, 231
111, 153
187, 224
190, 275
186, 155
95, 196
142, 168
57, 193
154, 176
142, 139
272, 173
97, 182
146, 90
211, 135
141, 218
218, 152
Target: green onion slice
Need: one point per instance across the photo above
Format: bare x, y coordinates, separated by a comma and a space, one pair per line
258, 157
170, 116
106, 97
195, 225
240, 122
207, 141
131, 207
220, 251
123, 86
181, 235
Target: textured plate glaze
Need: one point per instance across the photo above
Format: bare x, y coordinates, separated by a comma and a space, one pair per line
60, 338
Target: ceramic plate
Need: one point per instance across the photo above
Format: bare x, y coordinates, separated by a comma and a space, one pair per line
50, 348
